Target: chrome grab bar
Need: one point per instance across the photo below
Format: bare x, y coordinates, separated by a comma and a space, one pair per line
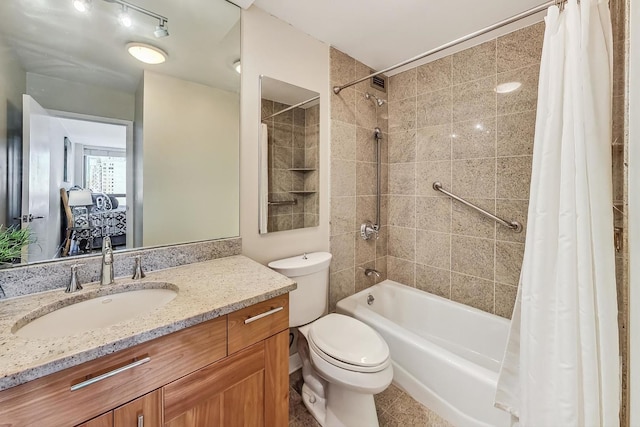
110, 374
260, 316
514, 225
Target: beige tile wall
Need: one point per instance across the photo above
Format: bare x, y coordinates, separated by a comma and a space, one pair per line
353, 179
447, 123
293, 143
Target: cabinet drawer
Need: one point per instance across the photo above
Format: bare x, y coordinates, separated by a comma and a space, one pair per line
125, 375
257, 322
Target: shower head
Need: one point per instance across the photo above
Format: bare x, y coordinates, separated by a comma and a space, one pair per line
378, 101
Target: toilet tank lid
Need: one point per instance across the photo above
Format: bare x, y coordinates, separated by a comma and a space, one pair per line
301, 265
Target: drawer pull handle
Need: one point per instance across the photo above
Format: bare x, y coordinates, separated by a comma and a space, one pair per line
140, 420
260, 316
110, 374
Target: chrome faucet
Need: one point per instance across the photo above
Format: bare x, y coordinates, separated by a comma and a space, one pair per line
74, 284
106, 272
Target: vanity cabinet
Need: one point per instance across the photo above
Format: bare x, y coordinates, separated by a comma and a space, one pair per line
104, 420
145, 411
229, 371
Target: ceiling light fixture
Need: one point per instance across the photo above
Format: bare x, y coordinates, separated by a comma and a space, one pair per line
125, 18
147, 53
82, 5
162, 30
237, 66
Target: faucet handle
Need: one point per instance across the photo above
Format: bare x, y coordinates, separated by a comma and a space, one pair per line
74, 284
138, 273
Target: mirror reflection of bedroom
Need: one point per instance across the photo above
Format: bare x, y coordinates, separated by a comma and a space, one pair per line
95, 163
75, 177
97, 141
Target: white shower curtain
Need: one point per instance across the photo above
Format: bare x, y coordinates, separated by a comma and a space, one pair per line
561, 365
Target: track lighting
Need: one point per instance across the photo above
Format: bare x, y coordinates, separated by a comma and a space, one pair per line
125, 18
162, 30
82, 5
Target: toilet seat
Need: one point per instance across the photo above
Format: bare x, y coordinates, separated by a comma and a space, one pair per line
347, 343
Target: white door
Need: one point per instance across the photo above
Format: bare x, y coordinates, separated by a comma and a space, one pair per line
40, 181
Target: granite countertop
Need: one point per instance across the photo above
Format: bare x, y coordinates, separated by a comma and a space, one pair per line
206, 290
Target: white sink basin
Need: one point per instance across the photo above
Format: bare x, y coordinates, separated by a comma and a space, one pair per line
96, 313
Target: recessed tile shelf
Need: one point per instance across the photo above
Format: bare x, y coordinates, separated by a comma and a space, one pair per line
302, 169
302, 192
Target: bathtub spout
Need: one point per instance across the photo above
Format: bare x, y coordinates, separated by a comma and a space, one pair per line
369, 271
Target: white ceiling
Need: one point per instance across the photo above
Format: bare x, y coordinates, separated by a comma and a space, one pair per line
50, 37
382, 33
95, 134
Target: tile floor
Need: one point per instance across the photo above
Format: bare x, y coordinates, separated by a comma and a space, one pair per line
395, 409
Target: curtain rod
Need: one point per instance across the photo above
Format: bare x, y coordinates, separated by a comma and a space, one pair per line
515, 18
299, 104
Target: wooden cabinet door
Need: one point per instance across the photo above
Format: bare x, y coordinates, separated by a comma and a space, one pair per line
228, 393
276, 403
146, 411
104, 420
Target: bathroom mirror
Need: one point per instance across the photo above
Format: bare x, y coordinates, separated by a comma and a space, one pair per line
97, 143
288, 156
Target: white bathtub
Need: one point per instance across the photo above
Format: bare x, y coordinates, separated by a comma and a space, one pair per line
445, 355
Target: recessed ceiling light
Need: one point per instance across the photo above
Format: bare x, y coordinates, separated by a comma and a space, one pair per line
147, 53
508, 87
237, 66
82, 5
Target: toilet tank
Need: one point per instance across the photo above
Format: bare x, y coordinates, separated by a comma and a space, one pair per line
311, 272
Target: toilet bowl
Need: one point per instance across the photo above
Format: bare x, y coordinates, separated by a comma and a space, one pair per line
344, 361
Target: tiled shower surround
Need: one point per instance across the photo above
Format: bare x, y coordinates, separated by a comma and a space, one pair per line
451, 121
447, 123
353, 179
293, 162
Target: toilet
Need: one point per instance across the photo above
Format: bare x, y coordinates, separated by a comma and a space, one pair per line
344, 361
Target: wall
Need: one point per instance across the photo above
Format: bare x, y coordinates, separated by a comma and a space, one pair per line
447, 123
353, 180
57, 94
276, 49
202, 147
12, 85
